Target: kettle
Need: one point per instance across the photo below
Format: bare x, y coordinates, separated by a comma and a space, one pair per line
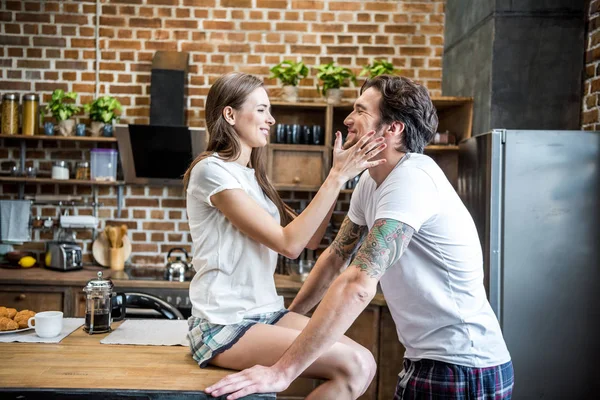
176, 267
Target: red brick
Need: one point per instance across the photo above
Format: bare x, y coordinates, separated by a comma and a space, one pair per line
363, 28
14, 52
124, 44
49, 42
33, 64
342, 50
200, 3
145, 23
162, 2
14, 40
112, 21
50, 86
409, 8
23, 17
307, 5
182, 24
83, 43
255, 26
82, 65
377, 51
415, 51
167, 46
300, 49
218, 25
13, 29
158, 226
112, 66
71, 19
238, 3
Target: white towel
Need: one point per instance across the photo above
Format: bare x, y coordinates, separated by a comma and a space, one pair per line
14, 221
150, 332
29, 336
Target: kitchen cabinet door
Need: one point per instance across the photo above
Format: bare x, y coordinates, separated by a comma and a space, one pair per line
33, 298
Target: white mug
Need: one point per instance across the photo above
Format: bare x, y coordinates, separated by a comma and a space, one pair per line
47, 324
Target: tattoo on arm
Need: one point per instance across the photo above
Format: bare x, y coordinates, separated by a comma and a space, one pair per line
348, 239
385, 244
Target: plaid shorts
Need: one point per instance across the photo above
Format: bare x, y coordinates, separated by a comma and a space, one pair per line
208, 340
428, 379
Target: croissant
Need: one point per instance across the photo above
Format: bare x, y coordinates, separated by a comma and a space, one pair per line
11, 312
22, 312
3, 312
22, 319
7, 324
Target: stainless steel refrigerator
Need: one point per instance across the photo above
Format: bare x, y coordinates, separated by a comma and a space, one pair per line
535, 198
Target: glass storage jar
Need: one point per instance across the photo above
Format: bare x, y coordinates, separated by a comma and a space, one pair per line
10, 114
60, 170
82, 171
30, 119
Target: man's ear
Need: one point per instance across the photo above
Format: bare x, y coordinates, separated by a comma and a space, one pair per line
395, 129
229, 115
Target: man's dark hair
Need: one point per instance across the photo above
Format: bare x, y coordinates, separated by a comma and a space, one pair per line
406, 101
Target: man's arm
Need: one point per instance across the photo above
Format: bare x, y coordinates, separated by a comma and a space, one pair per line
329, 266
344, 301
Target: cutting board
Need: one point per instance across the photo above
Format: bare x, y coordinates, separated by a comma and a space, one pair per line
100, 249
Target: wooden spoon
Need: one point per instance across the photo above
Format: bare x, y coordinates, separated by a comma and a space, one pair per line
107, 230
113, 237
123, 233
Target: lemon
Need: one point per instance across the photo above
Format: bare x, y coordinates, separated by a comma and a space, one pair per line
27, 262
48, 258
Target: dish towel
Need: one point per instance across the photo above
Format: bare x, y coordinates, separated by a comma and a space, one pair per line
29, 336
14, 221
150, 332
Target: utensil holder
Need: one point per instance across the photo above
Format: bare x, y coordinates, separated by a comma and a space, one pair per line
117, 259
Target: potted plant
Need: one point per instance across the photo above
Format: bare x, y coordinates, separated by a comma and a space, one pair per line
289, 73
379, 67
102, 114
333, 78
63, 111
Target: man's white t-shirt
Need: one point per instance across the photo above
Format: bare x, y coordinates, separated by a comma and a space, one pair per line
435, 291
234, 273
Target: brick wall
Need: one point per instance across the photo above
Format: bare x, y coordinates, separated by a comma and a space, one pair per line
51, 44
590, 116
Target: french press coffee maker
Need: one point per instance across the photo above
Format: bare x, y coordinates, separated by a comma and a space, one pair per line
99, 305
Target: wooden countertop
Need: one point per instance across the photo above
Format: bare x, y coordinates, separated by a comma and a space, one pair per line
45, 277
80, 362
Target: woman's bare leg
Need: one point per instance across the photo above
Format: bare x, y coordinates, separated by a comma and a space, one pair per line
348, 367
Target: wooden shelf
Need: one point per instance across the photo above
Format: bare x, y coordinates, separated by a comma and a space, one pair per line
16, 179
297, 188
304, 104
62, 138
299, 147
441, 147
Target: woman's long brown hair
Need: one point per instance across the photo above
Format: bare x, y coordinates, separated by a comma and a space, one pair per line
232, 90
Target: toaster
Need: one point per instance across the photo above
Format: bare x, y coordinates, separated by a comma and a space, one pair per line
63, 256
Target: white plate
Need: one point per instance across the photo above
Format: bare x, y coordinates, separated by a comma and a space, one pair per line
18, 330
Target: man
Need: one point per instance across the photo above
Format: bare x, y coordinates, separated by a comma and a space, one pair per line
416, 238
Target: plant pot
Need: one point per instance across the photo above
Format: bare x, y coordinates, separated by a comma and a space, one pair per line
334, 96
96, 128
66, 128
290, 93
48, 128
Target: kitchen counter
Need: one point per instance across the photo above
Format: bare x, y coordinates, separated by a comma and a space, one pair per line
80, 367
45, 277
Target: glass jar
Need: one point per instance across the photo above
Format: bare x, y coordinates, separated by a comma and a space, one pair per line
82, 170
10, 114
60, 170
30, 119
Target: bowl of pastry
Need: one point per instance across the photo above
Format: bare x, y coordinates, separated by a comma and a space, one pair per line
12, 320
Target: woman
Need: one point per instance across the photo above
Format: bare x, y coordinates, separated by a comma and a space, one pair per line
238, 225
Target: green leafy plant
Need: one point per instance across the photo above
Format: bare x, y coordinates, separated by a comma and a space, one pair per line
103, 109
333, 77
60, 110
289, 72
379, 67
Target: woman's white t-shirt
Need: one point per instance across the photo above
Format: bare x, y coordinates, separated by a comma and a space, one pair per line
234, 273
